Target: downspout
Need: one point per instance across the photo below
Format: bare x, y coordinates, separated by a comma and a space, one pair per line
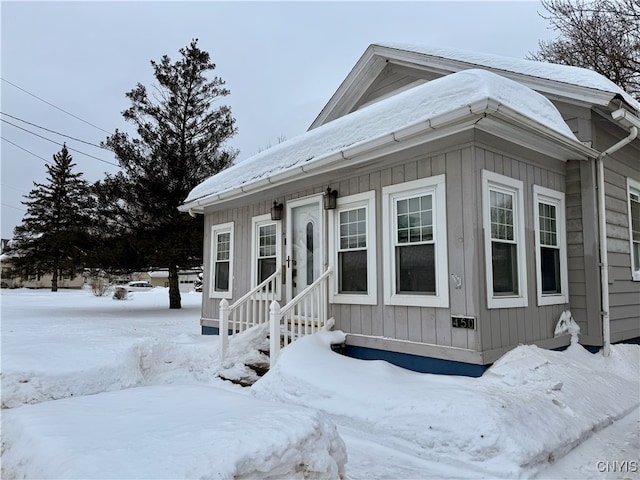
602, 227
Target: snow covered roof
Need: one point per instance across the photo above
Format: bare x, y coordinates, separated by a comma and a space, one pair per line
425, 107
575, 76
573, 84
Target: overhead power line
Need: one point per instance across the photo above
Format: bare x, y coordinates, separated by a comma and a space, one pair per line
22, 148
11, 206
57, 143
54, 106
53, 131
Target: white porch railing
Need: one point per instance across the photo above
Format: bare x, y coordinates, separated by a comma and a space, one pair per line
249, 310
304, 315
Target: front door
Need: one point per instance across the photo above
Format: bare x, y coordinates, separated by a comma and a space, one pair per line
304, 244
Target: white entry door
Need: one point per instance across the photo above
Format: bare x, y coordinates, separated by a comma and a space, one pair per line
304, 244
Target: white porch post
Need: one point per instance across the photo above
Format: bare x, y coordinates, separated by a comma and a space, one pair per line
223, 327
274, 332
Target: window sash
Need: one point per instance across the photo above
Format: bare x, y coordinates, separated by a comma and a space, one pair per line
633, 196
415, 247
505, 258
221, 261
550, 246
352, 246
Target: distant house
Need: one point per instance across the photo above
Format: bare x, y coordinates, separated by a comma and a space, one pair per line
11, 280
476, 198
160, 278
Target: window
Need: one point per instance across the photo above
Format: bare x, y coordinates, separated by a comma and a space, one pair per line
503, 219
221, 261
551, 253
633, 188
415, 245
352, 243
266, 250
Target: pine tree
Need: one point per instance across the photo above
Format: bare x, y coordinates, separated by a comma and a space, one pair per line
602, 35
180, 142
53, 234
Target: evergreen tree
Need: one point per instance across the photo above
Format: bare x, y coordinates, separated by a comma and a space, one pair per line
53, 234
602, 35
180, 142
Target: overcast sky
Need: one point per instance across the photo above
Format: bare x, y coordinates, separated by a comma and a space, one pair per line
281, 61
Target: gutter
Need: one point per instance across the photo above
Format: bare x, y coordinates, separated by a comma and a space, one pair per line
625, 119
369, 149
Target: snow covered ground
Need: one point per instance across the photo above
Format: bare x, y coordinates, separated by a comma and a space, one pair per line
98, 388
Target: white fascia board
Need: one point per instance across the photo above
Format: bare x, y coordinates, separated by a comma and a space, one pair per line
562, 91
573, 149
497, 118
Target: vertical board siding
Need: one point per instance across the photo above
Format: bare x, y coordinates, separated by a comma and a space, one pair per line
506, 327
495, 328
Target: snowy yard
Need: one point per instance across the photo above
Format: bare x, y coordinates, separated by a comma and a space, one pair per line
98, 388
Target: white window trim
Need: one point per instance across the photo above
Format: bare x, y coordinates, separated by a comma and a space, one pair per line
516, 187
555, 198
367, 200
436, 186
632, 185
256, 223
215, 231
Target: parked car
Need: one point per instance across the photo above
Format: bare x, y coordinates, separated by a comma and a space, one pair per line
139, 286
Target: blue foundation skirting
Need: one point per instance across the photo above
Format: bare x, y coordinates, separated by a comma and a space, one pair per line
415, 362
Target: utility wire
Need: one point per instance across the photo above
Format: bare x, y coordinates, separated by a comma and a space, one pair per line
53, 131
11, 206
54, 106
4, 185
53, 141
22, 148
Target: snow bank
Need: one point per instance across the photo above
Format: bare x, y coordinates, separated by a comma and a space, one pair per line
411, 107
158, 432
71, 343
532, 406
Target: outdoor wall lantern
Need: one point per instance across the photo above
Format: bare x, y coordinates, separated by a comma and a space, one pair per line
330, 199
276, 211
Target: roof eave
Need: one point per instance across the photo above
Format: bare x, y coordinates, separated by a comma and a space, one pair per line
376, 56
412, 135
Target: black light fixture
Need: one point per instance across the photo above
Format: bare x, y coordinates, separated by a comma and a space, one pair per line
330, 199
276, 211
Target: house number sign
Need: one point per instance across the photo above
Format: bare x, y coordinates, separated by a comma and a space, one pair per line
463, 322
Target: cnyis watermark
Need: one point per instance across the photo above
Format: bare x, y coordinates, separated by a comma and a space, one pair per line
617, 466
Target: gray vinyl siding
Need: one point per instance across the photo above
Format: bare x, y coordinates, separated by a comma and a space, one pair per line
461, 159
506, 327
624, 293
462, 166
392, 78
